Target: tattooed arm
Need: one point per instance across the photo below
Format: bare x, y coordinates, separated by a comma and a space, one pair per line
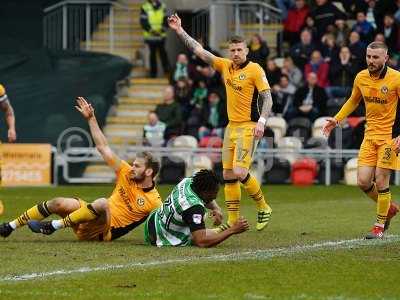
6, 107
174, 23
266, 97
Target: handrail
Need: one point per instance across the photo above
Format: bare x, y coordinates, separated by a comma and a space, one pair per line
86, 2
252, 2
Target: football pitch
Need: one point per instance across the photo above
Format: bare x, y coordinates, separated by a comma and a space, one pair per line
312, 249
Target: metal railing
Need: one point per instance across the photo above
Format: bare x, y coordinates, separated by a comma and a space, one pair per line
221, 19
70, 24
263, 161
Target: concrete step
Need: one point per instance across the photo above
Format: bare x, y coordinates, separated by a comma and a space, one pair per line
132, 112
120, 141
150, 81
118, 36
127, 120
140, 101
125, 53
117, 44
139, 72
124, 134
146, 107
135, 92
123, 24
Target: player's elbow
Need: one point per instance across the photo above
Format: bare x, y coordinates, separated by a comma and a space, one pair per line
202, 243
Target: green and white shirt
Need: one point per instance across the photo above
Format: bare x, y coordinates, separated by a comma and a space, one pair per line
181, 213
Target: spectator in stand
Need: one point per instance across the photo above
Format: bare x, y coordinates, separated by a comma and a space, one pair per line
282, 96
324, 14
181, 67
199, 95
341, 32
258, 50
310, 26
329, 48
211, 78
390, 31
293, 73
294, 22
170, 113
364, 28
309, 100
153, 19
342, 72
379, 37
284, 6
215, 117
318, 66
153, 131
301, 51
370, 12
397, 12
273, 72
357, 49
382, 8
183, 93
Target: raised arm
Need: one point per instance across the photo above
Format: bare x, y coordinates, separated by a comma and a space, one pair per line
87, 111
174, 23
6, 107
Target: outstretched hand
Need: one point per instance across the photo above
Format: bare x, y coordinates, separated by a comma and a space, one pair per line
85, 108
329, 125
174, 22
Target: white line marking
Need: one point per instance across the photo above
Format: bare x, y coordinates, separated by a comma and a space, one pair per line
264, 254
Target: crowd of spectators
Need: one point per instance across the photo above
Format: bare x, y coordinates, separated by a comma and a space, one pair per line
324, 47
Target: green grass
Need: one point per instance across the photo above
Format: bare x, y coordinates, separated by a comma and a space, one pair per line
301, 216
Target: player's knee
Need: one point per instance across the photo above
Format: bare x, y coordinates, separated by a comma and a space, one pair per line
364, 183
100, 205
382, 181
240, 173
56, 204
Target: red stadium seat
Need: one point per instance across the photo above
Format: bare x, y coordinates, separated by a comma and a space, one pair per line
211, 142
304, 171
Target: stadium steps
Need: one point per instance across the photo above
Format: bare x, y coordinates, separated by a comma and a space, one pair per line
124, 126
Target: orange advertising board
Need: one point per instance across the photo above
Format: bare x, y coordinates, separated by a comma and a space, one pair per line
25, 164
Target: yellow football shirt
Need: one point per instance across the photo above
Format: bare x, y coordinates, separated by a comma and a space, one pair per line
129, 203
3, 95
380, 96
242, 87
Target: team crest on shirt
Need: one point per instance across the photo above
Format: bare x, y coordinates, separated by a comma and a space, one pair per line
197, 218
242, 76
140, 201
384, 89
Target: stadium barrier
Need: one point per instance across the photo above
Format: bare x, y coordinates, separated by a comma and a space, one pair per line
263, 160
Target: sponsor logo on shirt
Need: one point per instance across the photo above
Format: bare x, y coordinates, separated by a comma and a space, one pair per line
375, 100
234, 86
197, 219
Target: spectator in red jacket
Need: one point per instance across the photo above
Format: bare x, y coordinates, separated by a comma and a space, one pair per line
295, 21
318, 66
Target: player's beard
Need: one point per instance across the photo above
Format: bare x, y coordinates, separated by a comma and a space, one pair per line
138, 178
376, 69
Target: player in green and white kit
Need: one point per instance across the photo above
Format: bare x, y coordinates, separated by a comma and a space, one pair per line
180, 220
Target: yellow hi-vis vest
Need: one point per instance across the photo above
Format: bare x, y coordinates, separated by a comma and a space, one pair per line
156, 20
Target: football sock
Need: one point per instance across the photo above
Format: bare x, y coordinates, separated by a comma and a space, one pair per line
232, 199
383, 205
372, 192
38, 212
84, 214
252, 187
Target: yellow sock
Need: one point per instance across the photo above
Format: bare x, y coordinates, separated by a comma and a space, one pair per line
84, 214
232, 200
252, 187
372, 192
383, 205
38, 212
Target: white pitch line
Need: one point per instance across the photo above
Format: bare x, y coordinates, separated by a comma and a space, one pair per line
263, 254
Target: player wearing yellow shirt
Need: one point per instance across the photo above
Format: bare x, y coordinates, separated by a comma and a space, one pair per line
246, 88
379, 87
132, 200
8, 110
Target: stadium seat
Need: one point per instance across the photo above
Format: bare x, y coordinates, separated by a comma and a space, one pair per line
299, 127
200, 162
350, 172
316, 143
304, 171
289, 146
211, 142
185, 141
317, 127
354, 121
277, 171
333, 105
341, 138
337, 170
278, 126
172, 170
